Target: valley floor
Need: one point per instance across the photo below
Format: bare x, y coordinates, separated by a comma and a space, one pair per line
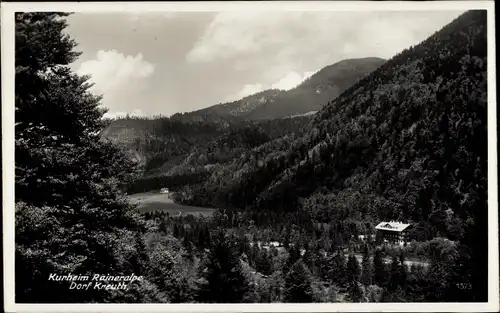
155, 201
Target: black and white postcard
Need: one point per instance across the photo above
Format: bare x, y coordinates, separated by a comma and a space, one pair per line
249, 156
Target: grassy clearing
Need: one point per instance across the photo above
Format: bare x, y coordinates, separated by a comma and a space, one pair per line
155, 201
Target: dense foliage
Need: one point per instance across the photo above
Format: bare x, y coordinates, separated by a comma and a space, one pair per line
70, 215
238, 262
172, 153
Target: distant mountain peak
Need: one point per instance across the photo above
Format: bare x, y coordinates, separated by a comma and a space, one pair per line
310, 95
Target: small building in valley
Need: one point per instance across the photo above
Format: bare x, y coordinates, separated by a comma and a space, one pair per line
164, 191
393, 232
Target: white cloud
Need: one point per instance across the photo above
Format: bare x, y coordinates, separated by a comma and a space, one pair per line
112, 69
247, 90
291, 80
237, 32
250, 90
331, 35
118, 77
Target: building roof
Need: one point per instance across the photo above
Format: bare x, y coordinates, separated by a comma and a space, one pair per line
392, 226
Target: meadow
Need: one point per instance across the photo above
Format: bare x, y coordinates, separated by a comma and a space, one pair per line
156, 202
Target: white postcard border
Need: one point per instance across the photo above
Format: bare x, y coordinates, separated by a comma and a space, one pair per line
7, 58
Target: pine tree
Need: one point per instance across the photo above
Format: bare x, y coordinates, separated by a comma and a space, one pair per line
417, 281
164, 272
439, 276
298, 287
186, 242
356, 292
70, 212
286, 238
394, 279
403, 272
353, 269
310, 259
313, 258
293, 257
366, 267
139, 260
379, 270
225, 281
263, 262
162, 226
337, 272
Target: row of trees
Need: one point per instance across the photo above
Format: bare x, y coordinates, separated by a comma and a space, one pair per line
231, 268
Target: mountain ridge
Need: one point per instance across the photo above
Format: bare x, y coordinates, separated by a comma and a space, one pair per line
308, 96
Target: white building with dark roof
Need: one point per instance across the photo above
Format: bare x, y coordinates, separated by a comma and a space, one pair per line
393, 231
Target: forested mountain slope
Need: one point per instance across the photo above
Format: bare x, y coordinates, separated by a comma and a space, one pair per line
309, 96
180, 153
155, 141
408, 142
171, 152
161, 144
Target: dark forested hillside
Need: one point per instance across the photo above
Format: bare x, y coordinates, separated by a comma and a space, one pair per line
159, 140
407, 142
235, 110
309, 96
173, 153
320, 88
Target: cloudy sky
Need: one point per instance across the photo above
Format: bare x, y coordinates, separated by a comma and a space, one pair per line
169, 62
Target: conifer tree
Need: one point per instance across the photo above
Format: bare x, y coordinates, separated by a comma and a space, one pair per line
394, 274
176, 231
379, 270
403, 272
293, 257
186, 242
313, 258
139, 260
353, 269
263, 262
70, 212
286, 238
225, 280
366, 267
298, 287
337, 272
356, 292
164, 272
162, 226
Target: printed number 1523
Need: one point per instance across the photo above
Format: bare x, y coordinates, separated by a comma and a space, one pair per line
464, 286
